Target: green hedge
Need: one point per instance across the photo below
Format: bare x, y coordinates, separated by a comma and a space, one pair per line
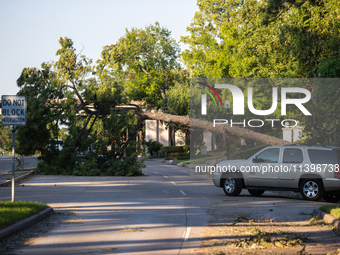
175, 149
153, 146
186, 148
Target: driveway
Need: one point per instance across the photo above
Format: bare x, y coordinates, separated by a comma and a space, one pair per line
168, 211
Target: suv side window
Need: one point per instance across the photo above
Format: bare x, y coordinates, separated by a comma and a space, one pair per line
321, 156
337, 151
269, 156
292, 156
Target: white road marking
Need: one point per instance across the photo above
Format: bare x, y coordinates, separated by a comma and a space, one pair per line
186, 237
165, 176
173, 183
183, 192
155, 172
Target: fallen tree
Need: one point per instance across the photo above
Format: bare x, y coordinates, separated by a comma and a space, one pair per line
208, 126
102, 126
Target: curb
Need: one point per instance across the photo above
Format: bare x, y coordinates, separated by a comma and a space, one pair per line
20, 225
6, 183
327, 217
171, 162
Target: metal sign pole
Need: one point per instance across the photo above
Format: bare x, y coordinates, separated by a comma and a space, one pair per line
13, 113
13, 163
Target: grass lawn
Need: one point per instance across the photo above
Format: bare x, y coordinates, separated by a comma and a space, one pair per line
13, 212
243, 153
332, 209
196, 160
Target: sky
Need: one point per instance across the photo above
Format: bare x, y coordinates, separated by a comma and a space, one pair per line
30, 30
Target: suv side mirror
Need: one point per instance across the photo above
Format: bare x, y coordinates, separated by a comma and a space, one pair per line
255, 159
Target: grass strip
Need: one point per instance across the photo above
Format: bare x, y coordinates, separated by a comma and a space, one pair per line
332, 209
10, 212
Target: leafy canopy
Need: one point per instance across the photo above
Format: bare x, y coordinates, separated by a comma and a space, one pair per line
147, 61
253, 38
62, 93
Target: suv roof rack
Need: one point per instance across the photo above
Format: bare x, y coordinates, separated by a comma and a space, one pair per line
314, 145
295, 144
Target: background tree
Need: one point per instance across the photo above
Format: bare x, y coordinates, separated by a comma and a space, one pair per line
324, 127
272, 39
177, 102
44, 109
6, 140
210, 49
147, 59
60, 94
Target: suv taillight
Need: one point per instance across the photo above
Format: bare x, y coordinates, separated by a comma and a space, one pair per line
337, 173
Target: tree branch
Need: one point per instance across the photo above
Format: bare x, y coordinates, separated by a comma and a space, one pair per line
89, 130
208, 126
101, 107
137, 127
84, 128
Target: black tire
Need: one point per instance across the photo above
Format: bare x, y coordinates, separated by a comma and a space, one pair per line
331, 198
311, 189
256, 192
232, 185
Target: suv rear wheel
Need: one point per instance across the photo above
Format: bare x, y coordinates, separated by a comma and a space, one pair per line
232, 185
256, 192
311, 189
332, 198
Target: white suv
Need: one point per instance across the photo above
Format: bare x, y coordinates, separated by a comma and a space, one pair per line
312, 170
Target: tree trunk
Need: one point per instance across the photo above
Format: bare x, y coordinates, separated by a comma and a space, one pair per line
208, 126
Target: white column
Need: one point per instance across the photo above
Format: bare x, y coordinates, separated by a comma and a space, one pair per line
207, 140
297, 133
287, 134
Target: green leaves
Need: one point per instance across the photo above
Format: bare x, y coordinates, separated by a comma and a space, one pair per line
261, 38
324, 128
146, 59
70, 68
60, 94
272, 39
212, 40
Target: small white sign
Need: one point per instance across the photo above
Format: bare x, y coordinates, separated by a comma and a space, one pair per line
13, 110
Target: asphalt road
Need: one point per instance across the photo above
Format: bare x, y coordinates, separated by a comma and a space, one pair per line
164, 212
6, 163
161, 213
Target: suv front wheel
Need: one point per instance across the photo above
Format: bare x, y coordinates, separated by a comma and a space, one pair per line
311, 189
232, 185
